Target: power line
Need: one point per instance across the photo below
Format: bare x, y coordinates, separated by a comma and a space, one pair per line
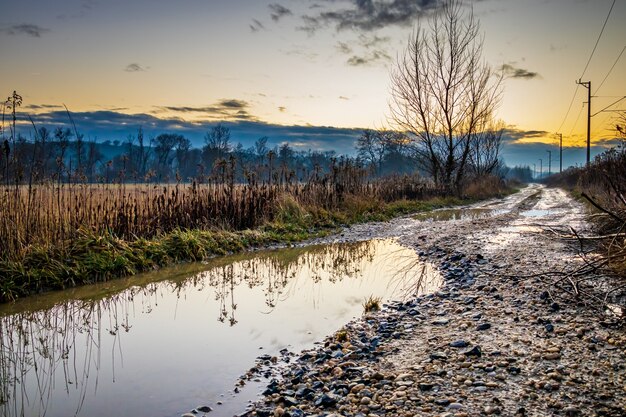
576, 122
568, 109
612, 104
598, 40
586, 66
609, 73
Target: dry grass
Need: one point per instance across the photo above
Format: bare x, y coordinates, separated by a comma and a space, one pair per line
372, 304
601, 280
485, 187
53, 214
603, 184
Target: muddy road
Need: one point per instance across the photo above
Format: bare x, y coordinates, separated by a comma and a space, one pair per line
495, 340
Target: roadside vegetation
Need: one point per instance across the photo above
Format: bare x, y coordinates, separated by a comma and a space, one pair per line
602, 184
600, 280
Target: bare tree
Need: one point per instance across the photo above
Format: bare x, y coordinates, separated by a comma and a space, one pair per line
443, 92
374, 145
485, 149
260, 148
218, 140
370, 148
165, 143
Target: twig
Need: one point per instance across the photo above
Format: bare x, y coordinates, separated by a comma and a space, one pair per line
596, 205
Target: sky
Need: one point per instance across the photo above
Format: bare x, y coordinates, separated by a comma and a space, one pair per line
313, 73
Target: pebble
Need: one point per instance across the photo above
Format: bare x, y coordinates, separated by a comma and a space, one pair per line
435, 356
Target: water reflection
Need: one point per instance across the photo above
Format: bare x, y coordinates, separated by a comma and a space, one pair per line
157, 348
459, 214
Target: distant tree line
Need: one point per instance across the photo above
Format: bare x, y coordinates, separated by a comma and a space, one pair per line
63, 155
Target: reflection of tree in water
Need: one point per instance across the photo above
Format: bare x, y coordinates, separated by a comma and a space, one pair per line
275, 270
58, 348
44, 351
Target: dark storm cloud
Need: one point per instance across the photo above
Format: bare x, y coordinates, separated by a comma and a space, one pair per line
26, 29
511, 71
279, 11
134, 67
368, 15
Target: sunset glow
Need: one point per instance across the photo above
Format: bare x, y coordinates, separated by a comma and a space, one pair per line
295, 63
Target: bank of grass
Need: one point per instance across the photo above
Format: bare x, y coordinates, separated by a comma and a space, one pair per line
95, 257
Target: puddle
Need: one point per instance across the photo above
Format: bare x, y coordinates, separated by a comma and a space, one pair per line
522, 228
459, 214
536, 213
165, 342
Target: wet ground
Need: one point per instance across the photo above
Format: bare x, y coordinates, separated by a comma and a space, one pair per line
485, 336
494, 340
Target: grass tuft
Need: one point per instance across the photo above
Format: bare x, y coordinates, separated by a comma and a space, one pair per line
372, 304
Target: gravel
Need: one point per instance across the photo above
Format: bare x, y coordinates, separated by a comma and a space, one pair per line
490, 341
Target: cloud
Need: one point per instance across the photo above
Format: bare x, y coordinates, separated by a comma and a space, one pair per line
279, 11
301, 50
234, 104
343, 98
369, 58
365, 50
368, 15
111, 125
256, 26
225, 109
511, 71
134, 67
282, 109
26, 29
344, 47
512, 135
42, 106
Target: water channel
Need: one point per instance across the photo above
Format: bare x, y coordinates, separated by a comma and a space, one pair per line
162, 343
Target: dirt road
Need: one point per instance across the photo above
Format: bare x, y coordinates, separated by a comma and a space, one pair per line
494, 340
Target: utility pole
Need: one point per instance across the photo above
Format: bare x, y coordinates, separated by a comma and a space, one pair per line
549, 163
534, 171
540, 168
587, 85
560, 152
